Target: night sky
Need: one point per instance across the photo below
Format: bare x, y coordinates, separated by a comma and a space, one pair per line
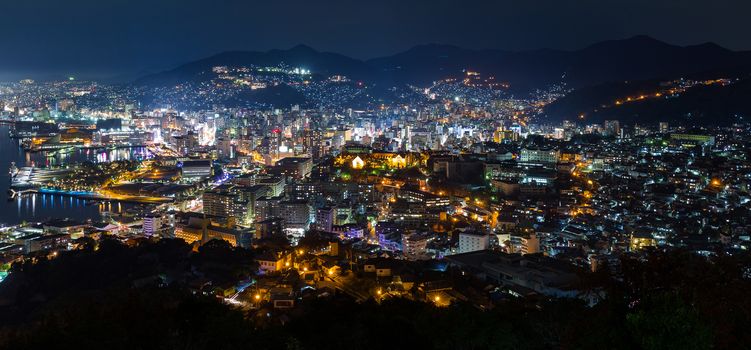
105, 38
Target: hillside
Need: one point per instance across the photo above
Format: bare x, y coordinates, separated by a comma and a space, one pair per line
700, 104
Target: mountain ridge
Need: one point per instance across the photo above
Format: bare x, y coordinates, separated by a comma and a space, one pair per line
636, 58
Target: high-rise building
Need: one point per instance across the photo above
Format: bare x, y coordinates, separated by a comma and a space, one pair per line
528, 244
415, 246
472, 241
234, 201
325, 218
612, 128
296, 214
220, 201
152, 224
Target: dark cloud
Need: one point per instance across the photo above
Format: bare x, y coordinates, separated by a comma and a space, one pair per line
99, 38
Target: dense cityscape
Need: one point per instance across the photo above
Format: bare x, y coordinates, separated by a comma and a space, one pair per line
440, 198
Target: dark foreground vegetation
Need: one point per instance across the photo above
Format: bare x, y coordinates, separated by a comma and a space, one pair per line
87, 299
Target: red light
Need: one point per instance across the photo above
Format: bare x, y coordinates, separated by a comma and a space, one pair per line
276, 131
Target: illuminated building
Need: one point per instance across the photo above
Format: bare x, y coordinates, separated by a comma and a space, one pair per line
238, 202
325, 218
271, 262
414, 246
349, 231
358, 163
275, 184
539, 156
152, 224
293, 167
207, 134
539, 177
222, 201
472, 241
430, 200
398, 162
664, 127
640, 241
68, 227
198, 229
690, 140
197, 168
40, 242
529, 244
296, 215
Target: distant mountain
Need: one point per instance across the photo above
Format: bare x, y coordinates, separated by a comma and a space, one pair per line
636, 58
641, 58
424, 64
324, 63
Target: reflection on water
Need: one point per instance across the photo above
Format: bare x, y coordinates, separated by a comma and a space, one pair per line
38, 207
68, 156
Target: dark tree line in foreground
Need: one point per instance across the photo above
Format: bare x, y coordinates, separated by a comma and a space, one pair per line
86, 299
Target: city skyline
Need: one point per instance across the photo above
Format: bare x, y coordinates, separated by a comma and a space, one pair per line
436, 175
